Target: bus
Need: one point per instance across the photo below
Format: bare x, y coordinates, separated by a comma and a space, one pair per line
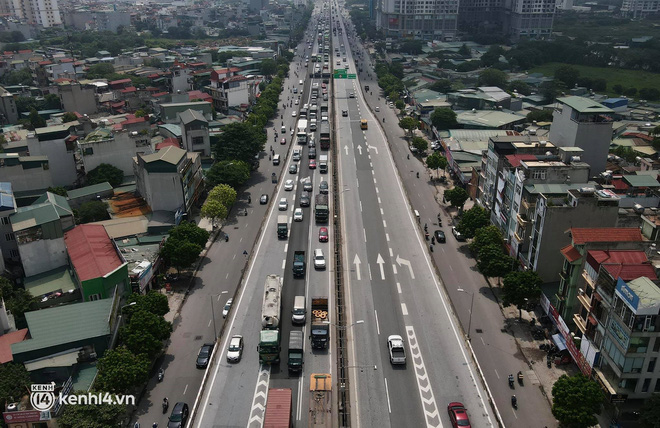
363, 124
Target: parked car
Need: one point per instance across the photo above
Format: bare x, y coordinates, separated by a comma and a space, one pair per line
440, 236
227, 307
298, 214
235, 349
323, 234
457, 234
458, 415
204, 355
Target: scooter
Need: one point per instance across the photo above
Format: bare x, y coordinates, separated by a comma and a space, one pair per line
514, 402
511, 381
161, 375
166, 405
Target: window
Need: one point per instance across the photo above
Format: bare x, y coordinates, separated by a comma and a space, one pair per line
13, 253
88, 151
5, 220
657, 386
93, 297
646, 384
9, 236
651, 366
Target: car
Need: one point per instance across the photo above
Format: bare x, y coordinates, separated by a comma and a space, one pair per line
323, 187
307, 186
288, 185
235, 349
305, 200
311, 154
391, 104
323, 86
204, 355
458, 415
338, 62
323, 234
351, 95
296, 102
344, 113
319, 259
294, 114
325, 97
179, 416
263, 200
295, 90
377, 108
344, 59
298, 214
312, 164
283, 205
397, 349
227, 307
457, 234
439, 236
283, 130
293, 169
311, 143
282, 140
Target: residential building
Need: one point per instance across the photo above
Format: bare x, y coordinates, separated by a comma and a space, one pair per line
170, 179
98, 20
418, 19
584, 123
169, 112
482, 98
489, 119
195, 132
78, 98
8, 246
44, 13
25, 173
54, 143
98, 265
115, 148
181, 80
95, 192
584, 240
514, 18
8, 111
39, 232
231, 92
638, 9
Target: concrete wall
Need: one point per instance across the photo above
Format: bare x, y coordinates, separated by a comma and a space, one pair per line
61, 161
189, 133
42, 255
26, 179
118, 152
76, 98
162, 191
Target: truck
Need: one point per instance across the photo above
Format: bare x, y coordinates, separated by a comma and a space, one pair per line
302, 131
320, 331
321, 209
269, 337
320, 400
299, 264
282, 227
325, 136
278, 408
296, 352
397, 350
323, 164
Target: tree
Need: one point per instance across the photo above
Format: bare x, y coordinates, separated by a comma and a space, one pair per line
520, 87
492, 56
568, 75
100, 70
105, 172
92, 211
444, 118
120, 370
233, 173
436, 161
36, 121
539, 116
17, 299
400, 104
420, 144
180, 254
493, 77
268, 67
650, 412
213, 209
223, 194
576, 399
100, 415
551, 90
485, 236
153, 302
473, 219
145, 333
618, 89
465, 51
69, 117
409, 124
521, 288
493, 263
240, 141
57, 190
14, 382
443, 86
19, 77
52, 102
651, 94
413, 47
457, 197
190, 232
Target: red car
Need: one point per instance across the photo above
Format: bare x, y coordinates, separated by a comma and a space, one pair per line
323, 234
458, 415
283, 141
312, 164
323, 85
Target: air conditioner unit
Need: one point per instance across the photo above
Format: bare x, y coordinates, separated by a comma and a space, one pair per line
12, 407
580, 291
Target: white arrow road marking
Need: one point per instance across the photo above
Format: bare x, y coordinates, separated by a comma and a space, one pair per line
359, 147
401, 261
374, 148
346, 149
381, 262
260, 396
423, 383
356, 262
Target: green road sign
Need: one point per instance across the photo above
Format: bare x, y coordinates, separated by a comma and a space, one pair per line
351, 76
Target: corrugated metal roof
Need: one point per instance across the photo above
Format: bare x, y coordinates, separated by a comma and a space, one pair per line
169, 154
65, 324
641, 181
584, 105
278, 408
89, 190
91, 251
190, 115
59, 202
32, 216
50, 281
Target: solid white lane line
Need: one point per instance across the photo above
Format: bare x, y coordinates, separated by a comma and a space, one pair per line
398, 288
377, 323
387, 391
404, 309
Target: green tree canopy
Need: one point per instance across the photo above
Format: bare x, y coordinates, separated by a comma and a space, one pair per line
105, 172
576, 401
457, 197
240, 141
153, 302
473, 219
100, 70
92, 211
485, 236
36, 121
520, 87
540, 116
400, 104
521, 288
69, 117
120, 370
224, 194
493, 263
14, 382
493, 77
444, 118
443, 86
145, 333
231, 172
57, 190
650, 412
412, 47
17, 299
101, 415
268, 67
19, 77
420, 144
213, 209
465, 51
568, 75
492, 56
180, 254
436, 161
409, 124
189, 231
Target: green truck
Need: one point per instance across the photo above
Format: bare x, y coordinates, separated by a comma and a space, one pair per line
299, 264
270, 335
321, 210
296, 352
282, 227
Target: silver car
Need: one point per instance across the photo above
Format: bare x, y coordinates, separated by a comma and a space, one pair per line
235, 349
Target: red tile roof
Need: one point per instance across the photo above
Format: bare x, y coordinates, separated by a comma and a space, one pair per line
199, 95
120, 82
159, 94
6, 340
571, 253
168, 142
25, 51
628, 272
641, 135
619, 184
134, 120
91, 251
582, 235
616, 256
129, 89
47, 62
515, 160
65, 60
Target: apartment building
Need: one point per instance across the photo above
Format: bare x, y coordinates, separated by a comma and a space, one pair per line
8, 111
425, 20
25, 173
514, 18
195, 132
638, 9
45, 13
104, 145
55, 143
8, 246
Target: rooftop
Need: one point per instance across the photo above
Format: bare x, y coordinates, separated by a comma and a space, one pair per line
51, 281
648, 296
169, 154
91, 251
8, 339
89, 190
584, 105
47, 208
583, 235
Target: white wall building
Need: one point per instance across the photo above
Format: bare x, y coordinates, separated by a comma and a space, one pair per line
25, 173
426, 20
54, 142
114, 148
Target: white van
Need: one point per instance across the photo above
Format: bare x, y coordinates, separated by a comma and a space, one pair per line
299, 310
300, 83
276, 160
319, 259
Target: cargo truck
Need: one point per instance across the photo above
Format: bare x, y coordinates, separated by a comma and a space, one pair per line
282, 227
321, 209
269, 337
324, 135
302, 131
296, 351
278, 408
323, 164
299, 264
320, 401
320, 331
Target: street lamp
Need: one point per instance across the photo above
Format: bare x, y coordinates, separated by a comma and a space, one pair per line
345, 327
471, 304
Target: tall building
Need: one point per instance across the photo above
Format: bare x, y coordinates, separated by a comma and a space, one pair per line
45, 13
639, 8
419, 19
513, 18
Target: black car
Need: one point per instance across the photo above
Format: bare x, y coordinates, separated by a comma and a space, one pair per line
204, 355
344, 113
307, 186
293, 169
264, 199
179, 416
304, 200
440, 236
312, 153
323, 187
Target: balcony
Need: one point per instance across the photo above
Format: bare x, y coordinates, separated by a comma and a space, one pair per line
523, 221
580, 323
527, 205
584, 300
588, 279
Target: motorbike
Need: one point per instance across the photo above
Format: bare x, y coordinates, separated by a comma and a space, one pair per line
418, 175
514, 402
226, 238
136, 425
161, 375
511, 381
166, 405
520, 378
383, 120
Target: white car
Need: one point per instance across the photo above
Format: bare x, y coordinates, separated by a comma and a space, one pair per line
298, 214
294, 114
377, 108
288, 185
227, 307
283, 205
235, 349
296, 102
319, 259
